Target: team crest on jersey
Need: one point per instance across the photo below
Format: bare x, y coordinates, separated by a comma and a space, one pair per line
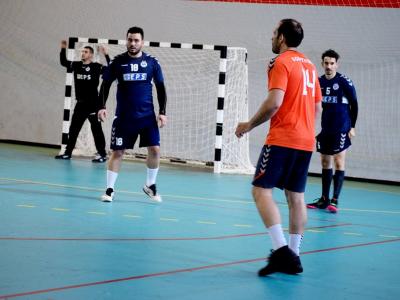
87, 69
143, 64
335, 87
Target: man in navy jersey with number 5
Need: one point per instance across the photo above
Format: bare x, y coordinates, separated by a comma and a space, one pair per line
134, 115
339, 116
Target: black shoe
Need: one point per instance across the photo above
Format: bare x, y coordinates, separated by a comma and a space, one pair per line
108, 195
151, 191
282, 260
63, 156
99, 159
320, 203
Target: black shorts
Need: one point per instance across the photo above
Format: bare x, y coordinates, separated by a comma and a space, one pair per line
124, 133
330, 144
281, 167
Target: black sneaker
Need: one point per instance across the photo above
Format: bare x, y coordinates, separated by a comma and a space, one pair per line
108, 195
282, 260
151, 191
99, 159
63, 156
333, 206
320, 203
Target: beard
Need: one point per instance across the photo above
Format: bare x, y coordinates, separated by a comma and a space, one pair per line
133, 51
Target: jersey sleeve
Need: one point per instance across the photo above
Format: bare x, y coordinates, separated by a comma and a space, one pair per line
110, 71
158, 75
63, 59
349, 90
351, 95
278, 76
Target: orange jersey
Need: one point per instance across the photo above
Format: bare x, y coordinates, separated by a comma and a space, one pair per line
293, 125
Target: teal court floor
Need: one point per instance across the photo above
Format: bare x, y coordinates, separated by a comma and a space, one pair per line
205, 241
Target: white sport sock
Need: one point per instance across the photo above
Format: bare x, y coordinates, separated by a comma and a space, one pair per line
111, 178
151, 176
277, 236
295, 242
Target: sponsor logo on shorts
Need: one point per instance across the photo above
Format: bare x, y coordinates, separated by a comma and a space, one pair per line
263, 163
342, 140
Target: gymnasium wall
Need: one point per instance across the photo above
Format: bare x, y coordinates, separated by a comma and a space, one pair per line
32, 81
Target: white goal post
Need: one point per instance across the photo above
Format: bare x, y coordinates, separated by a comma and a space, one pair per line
207, 96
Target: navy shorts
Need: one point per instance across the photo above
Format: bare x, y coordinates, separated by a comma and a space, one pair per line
330, 144
281, 167
124, 133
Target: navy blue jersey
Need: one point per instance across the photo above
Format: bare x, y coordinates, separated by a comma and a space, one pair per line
135, 76
86, 78
339, 104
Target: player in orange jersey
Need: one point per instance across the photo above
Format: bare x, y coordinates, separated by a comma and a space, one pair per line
292, 104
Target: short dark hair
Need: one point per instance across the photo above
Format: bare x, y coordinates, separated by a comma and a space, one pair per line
135, 29
291, 31
89, 48
330, 53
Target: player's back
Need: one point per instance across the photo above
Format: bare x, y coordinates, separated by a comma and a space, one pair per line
293, 125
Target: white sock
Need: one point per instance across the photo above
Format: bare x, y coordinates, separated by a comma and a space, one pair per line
111, 178
295, 242
277, 236
151, 176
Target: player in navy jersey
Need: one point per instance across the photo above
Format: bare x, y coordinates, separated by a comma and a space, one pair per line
86, 78
135, 71
339, 116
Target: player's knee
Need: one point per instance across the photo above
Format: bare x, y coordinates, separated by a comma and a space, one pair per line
117, 154
260, 194
154, 151
339, 163
326, 162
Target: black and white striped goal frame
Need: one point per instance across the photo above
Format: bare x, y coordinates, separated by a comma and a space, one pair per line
221, 85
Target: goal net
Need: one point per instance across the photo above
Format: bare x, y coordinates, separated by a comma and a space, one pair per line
207, 96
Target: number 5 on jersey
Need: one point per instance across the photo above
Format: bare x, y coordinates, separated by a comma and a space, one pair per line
307, 83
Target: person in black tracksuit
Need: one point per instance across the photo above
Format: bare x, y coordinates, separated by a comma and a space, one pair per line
86, 78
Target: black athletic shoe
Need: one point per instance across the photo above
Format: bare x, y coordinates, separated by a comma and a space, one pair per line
99, 159
320, 203
108, 195
63, 156
333, 206
282, 260
151, 191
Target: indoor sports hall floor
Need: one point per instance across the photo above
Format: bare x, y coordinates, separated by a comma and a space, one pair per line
205, 241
